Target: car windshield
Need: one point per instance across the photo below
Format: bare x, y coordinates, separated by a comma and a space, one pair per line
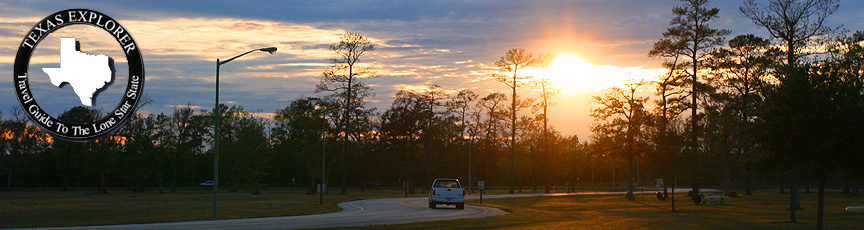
446, 184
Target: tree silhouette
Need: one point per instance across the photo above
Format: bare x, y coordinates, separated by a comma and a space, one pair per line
621, 114
461, 105
795, 22
343, 79
741, 71
672, 92
20, 139
142, 151
403, 123
297, 135
186, 133
546, 94
691, 27
74, 153
510, 64
492, 104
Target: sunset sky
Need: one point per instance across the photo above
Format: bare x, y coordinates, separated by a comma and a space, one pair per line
419, 43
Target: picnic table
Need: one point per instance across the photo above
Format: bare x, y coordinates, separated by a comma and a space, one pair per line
708, 198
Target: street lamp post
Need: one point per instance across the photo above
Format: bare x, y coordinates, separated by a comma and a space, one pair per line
323, 160
323, 186
323, 150
470, 149
217, 114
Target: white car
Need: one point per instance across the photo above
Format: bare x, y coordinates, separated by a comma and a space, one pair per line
447, 191
208, 183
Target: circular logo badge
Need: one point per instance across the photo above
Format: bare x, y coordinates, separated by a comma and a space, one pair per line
80, 69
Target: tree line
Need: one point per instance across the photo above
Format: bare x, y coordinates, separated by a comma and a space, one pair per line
424, 134
786, 107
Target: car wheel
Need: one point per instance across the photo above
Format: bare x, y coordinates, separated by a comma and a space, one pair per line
432, 204
460, 206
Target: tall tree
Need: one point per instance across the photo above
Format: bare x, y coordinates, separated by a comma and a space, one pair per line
841, 106
665, 152
104, 158
72, 154
24, 141
297, 137
510, 64
622, 115
795, 23
343, 79
691, 25
578, 163
186, 136
403, 123
17, 148
671, 86
846, 65
162, 154
246, 146
531, 162
434, 131
461, 104
142, 135
547, 91
740, 72
672, 92
252, 148
492, 104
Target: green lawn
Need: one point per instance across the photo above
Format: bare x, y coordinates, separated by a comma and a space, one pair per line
764, 210
52, 207
44, 208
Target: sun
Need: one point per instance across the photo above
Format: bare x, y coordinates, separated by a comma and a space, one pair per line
563, 71
573, 74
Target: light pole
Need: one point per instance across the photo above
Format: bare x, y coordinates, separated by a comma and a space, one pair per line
470, 148
217, 114
323, 150
323, 160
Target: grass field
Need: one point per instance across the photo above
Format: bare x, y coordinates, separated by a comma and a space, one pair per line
44, 208
765, 210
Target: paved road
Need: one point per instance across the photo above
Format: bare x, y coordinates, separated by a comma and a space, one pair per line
353, 214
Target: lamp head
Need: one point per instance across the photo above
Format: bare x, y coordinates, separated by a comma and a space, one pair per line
270, 50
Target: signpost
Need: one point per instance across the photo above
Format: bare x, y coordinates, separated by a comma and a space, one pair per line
405, 186
481, 185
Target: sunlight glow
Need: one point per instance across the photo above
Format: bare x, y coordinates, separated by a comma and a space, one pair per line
573, 74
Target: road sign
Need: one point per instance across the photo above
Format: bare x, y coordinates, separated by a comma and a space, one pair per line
481, 185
